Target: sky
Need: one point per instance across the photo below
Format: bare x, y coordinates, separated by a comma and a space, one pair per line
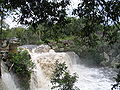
11, 23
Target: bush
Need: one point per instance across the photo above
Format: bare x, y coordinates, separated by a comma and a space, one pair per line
91, 57
61, 78
22, 62
22, 67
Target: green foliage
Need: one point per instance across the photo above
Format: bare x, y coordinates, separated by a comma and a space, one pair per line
99, 12
22, 66
91, 9
61, 78
88, 29
98, 24
91, 57
26, 36
117, 79
22, 63
40, 11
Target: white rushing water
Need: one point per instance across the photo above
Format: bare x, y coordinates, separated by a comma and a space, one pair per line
44, 59
89, 78
44, 65
6, 81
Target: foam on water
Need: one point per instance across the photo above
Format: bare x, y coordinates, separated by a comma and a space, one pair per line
7, 82
44, 59
89, 78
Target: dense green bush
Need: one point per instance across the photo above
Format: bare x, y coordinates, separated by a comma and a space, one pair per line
62, 79
22, 63
22, 67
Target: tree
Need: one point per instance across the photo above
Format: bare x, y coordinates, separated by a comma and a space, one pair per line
104, 12
4, 11
100, 11
34, 12
1, 17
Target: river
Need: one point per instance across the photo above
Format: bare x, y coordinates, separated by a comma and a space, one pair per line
44, 58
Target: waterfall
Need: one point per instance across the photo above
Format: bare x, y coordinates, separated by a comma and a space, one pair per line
44, 59
6, 81
89, 78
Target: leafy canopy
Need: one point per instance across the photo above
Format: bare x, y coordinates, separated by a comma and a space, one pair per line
35, 12
100, 12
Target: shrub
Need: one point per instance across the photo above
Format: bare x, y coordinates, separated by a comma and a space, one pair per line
61, 78
22, 67
22, 62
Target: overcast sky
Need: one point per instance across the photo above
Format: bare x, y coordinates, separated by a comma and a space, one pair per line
74, 4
